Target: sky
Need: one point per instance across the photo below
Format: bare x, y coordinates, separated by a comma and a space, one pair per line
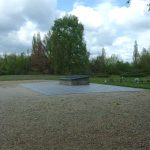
112, 24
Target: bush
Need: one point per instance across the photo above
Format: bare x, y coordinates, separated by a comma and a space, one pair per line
133, 74
99, 75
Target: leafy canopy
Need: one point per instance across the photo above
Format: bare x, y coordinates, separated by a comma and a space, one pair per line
68, 48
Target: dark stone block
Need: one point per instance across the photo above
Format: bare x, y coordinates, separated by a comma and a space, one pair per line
74, 80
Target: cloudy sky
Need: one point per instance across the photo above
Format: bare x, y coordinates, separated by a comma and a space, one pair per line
112, 24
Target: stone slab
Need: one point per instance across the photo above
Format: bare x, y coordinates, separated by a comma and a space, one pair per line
54, 88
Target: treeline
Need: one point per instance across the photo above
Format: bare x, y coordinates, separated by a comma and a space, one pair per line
100, 66
13, 64
140, 66
63, 51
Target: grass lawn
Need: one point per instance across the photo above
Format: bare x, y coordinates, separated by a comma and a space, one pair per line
28, 77
128, 82
113, 80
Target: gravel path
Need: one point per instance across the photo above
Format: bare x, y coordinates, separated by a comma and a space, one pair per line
31, 121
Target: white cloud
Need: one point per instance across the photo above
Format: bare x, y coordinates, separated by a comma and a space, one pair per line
106, 24
132, 17
88, 16
120, 41
98, 33
20, 19
26, 32
115, 27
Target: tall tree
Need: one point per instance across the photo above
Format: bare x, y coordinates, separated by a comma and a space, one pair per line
47, 45
68, 48
39, 59
103, 56
144, 62
101, 61
135, 54
98, 64
14, 64
111, 64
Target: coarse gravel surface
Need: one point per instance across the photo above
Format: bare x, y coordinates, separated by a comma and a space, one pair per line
92, 121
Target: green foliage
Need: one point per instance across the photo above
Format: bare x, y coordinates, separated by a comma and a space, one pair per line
114, 66
63, 51
14, 64
133, 74
39, 59
98, 65
144, 82
136, 55
28, 77
109, 65
144, 62
68, 50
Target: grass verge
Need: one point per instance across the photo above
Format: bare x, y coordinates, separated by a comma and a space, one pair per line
128, 82
28, 77
113, 80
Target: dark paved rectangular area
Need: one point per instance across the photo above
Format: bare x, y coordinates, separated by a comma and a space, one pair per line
54, 88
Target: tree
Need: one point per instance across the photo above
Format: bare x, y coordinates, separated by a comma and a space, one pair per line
111, 64
48, 52
39, 59
100, 62
103, 57
68, 49
14, 64
144, 62
47, 44
135, 54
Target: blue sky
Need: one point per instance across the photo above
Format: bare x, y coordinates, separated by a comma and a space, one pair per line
111, 24
68, 4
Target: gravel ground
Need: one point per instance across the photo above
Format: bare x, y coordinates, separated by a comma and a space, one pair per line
111, 121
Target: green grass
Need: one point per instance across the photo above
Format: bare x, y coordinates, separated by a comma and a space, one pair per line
28, 77
115, 80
